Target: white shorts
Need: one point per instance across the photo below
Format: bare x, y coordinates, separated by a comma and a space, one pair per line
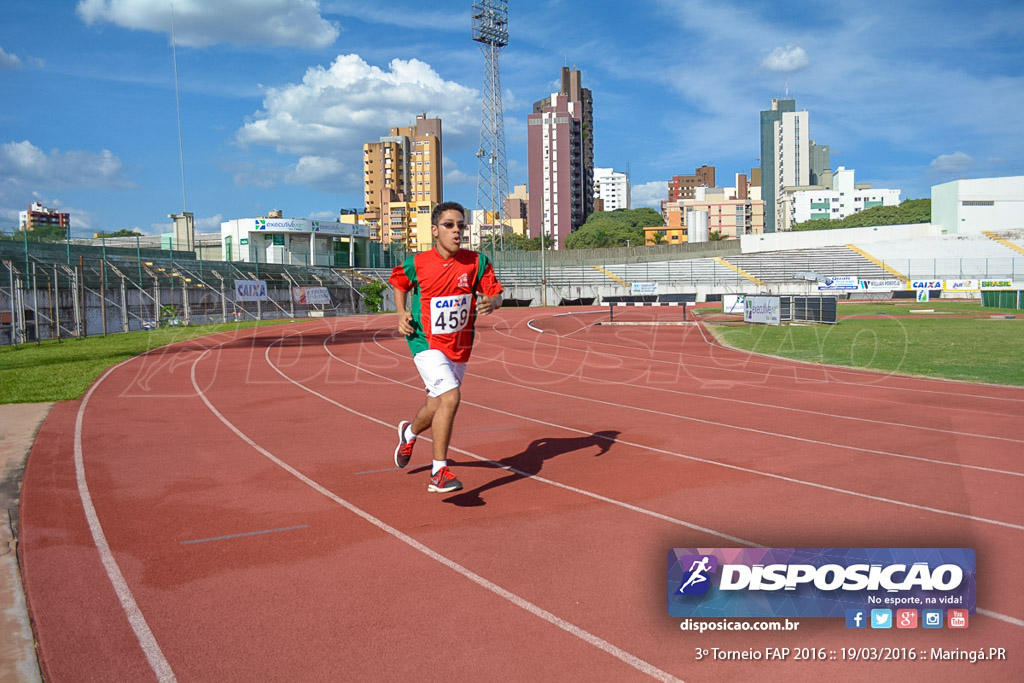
440, 374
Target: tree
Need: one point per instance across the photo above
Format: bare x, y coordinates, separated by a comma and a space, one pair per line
910, 211
119, 233
513, 241
658, 238
619, 228
48, 233
373, 296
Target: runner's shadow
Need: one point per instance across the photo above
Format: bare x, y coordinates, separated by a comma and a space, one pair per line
530, 461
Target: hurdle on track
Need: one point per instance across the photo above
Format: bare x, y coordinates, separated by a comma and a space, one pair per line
682, 300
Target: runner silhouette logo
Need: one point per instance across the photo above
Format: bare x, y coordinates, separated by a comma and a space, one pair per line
697, 580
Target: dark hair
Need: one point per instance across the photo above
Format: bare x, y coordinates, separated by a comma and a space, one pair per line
435, 215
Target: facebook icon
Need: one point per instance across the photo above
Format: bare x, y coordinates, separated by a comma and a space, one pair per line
856, 618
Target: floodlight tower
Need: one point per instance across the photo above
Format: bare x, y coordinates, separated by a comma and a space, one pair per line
490, 29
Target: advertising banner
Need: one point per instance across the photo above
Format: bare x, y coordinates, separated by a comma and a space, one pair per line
998, 284
645, 288
733, 303
843, 282
250, 290
961, 286
311, 295
924, 284
881, 285
762, 309
818, 582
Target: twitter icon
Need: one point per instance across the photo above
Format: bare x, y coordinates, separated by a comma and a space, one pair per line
881, 618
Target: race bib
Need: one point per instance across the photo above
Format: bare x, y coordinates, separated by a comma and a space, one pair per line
449, 314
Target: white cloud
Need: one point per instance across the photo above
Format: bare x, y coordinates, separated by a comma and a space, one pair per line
25, 170
249, 175
209, 223
954, 163
453, 175
650, 194
327, 117
24, 162
316, 171
198, 23
9, 62
789, 58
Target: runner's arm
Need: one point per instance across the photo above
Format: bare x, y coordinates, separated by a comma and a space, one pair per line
488, 304
404, 316
490, 292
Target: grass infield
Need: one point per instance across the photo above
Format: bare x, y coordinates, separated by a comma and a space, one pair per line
59, 371
959, 340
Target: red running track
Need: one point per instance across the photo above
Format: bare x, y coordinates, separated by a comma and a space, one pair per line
228, 509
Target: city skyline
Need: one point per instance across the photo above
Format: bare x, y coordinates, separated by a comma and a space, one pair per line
274, 113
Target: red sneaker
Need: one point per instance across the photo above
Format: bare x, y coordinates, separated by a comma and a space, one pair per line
404, 450
443, 482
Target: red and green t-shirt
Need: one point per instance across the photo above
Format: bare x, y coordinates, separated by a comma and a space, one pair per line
443, 301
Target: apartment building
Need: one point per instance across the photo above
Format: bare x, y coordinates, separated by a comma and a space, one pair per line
684, 186
611, 190
38, 215
837, 197
402, 174
560, 143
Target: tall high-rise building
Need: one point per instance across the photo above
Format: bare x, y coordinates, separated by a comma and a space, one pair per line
408, 162
792, 151
561, 160
770, 119
402, 182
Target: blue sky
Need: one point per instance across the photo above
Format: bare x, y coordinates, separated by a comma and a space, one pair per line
278, 96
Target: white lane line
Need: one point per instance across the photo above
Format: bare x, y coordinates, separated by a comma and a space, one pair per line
522, 603
498, 465
771, 406
764, 432
774, 363
245, 534
147, 641
385, 469
694, 458
997, 615
1000, 617
726, 425
150, 648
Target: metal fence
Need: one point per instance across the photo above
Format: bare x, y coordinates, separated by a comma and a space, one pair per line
50, 291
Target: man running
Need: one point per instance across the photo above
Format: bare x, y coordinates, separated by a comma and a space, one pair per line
438, 322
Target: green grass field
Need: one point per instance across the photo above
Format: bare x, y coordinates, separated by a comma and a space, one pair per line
57, 371
976, 349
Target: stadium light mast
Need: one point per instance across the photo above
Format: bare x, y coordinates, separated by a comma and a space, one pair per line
490, 29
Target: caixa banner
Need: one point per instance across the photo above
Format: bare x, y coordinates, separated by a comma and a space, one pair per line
816, 582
